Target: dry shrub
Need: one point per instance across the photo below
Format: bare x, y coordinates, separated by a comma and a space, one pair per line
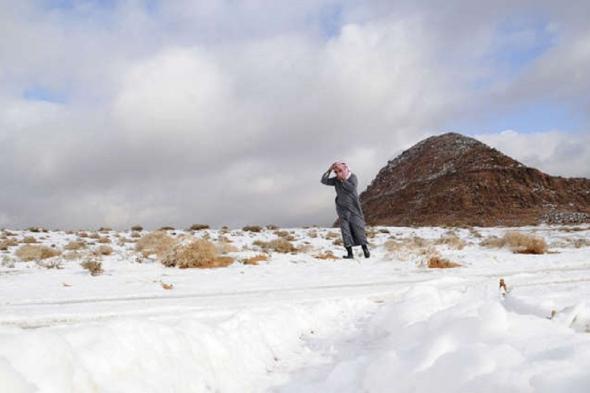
50, 264
272, 227
338, 242
29, 240
452, 240
518, 242
36, 229
255, 259
224, 247
82, 234
94, 235
312, 233
71, 255
278, 245
332, 235
105, 229
581, 242
104, 240
75, 245
198, 227
93, 265
30, 252
136, 228
4, 244
199, 253
285, 235
166, 285
326, 255
252, 228
437, 262
157, 242
135, 234
103, 250
166, 228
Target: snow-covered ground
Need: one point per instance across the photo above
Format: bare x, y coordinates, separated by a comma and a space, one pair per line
301, 324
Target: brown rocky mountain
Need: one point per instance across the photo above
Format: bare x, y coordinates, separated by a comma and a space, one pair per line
451, 179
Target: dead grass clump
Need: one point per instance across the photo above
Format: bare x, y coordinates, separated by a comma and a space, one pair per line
518, 242
36, 229
272, 227
278, 245
326, 255
224, 247
105, 229
166, 228
285, 235
75, 245
312, 233
252, 228
338, 242
255, 260
4, 244
332, 235
198, 227
437, 262
104, 239
30, 252
82, 234
103, 249
50, 264
136, 228
581, 242
157, 242
199, 253
451, 240
93, 265
29, 240
71, 255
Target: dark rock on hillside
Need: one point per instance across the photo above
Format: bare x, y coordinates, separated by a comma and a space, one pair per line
451, 179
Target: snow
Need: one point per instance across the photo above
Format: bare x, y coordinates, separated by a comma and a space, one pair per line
301, 324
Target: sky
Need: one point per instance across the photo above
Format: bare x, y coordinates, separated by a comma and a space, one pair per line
152, 112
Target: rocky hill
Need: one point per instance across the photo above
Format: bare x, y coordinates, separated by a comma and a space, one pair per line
451, 179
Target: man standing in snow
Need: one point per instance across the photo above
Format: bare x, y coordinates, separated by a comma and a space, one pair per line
348, 207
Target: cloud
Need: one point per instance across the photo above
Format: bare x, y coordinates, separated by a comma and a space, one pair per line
213, 112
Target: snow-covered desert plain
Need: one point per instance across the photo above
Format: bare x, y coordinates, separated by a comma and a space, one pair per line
299, 321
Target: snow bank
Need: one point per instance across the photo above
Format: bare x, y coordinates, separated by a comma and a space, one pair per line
457, 340
246, 352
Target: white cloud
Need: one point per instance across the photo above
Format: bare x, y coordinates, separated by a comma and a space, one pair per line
228, 113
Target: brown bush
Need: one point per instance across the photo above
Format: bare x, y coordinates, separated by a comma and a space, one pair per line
255, 259
30, 252
103, 250
29, 240
157, 242
225, 246
4, 244
36, 229
332, 235
75, 245
278, 245
93, 265
252, 228
272, 227
82, 234
105, 229
199, 253
71, 255
326, 255
518, 242
338, 242
437, 262
136, 228
451, 240
166, 228
104, 239
285, 235
198, 227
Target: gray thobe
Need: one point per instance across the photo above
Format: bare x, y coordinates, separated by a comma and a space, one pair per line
348, 208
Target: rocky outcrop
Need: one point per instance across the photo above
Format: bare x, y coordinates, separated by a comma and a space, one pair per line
451, 179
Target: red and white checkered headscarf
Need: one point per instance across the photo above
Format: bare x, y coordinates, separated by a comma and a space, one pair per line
344, 166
